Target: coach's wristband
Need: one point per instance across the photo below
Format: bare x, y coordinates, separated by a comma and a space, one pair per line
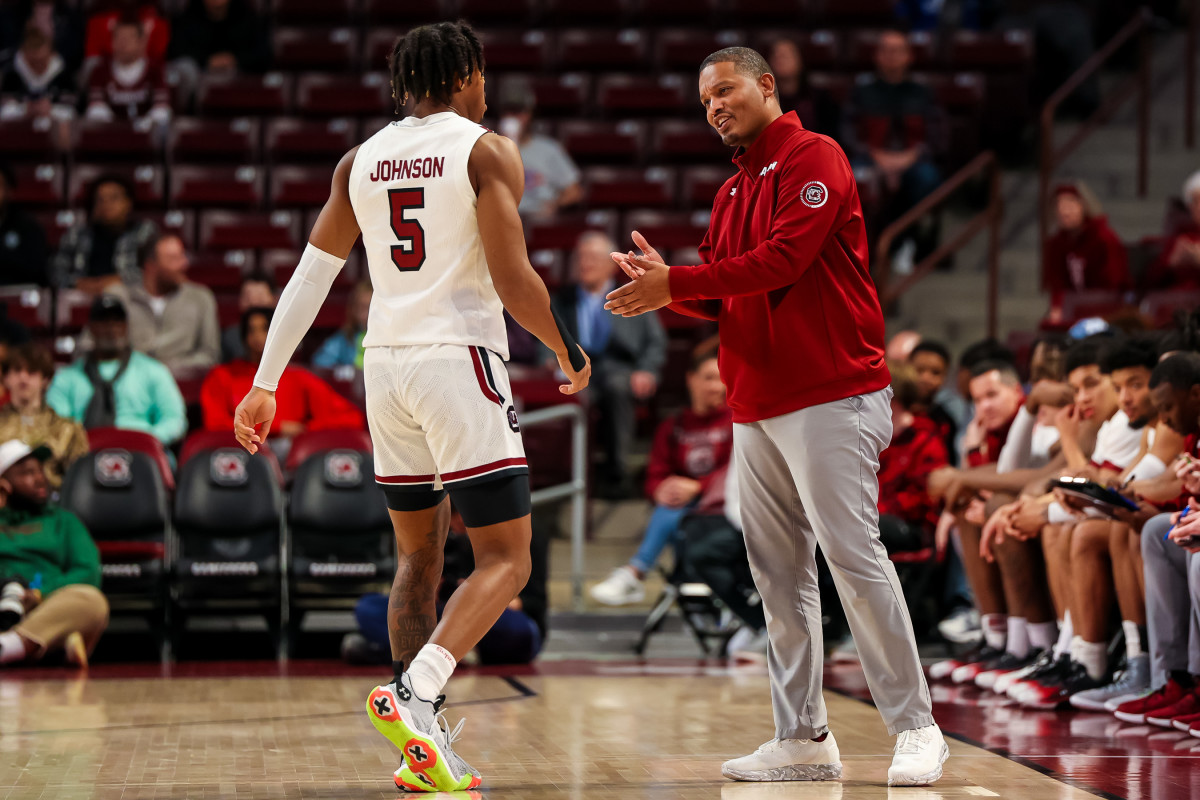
574, 354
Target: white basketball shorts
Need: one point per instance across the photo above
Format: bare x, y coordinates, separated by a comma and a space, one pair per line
441, 415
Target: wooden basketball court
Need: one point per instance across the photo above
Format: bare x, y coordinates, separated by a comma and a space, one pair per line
610, 730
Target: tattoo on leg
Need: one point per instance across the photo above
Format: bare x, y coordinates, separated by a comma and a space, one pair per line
412, 604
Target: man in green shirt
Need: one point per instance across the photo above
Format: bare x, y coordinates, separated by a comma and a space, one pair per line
116, 386
47, 550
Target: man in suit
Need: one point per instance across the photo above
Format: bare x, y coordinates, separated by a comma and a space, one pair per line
627, 353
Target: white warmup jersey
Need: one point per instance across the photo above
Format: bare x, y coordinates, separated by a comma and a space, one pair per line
414, 203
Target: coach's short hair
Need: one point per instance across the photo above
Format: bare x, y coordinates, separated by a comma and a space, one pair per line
745, 60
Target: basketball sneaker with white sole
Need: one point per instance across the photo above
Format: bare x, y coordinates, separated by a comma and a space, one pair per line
788, 760
918, 758
416, 728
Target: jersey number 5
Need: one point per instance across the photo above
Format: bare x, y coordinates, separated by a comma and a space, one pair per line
409, 254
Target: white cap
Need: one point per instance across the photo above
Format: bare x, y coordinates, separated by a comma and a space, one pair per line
15, 450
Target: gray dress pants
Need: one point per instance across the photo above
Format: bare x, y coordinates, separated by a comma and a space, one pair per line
1172, 602
808, 478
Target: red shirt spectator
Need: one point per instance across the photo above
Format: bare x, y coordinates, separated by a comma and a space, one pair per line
693, 445
157, 29
1178, 265
128, 85
303, 401
1084, 252
904, 470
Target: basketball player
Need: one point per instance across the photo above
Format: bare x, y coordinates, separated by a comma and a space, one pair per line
802, 353
435, 197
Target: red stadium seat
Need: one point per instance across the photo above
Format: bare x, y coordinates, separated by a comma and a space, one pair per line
310, 443
148, 183
821, 49
1161, 306
863, 44
675, 13
115, 141
606, 187
1001, 51
56, 223
213, 272
766, 12
858, 13
217, 187
404, 12
244, 95
701, 184
324, 49
300, 187
39, 185
281, 263
837, 85
684, 50
562, 231
565, 95
663, 95
688, 142
962, 96
564, 13
28, 140
499, 13
517, 50
135, 442
668, 230
319, 95
377, 46
313, 12
231, 230
603, 142
603, 50
1090, 303
177, 221
289, 139
233, 141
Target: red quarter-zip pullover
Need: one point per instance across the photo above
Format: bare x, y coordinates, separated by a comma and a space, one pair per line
786, 275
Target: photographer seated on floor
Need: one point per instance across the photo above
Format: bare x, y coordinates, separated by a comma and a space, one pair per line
50, 600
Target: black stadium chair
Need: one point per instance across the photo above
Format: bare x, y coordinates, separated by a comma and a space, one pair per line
228, 515
121, 498
340, 541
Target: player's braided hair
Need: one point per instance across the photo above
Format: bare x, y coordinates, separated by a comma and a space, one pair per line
426, 61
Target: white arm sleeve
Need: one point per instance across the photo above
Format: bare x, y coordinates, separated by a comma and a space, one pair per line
1017, 448
298, 307
1151, 466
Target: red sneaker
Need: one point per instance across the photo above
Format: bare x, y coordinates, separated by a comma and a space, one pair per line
1136, 710
1186, 706
1185, 722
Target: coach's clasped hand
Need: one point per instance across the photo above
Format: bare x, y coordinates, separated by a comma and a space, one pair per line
650, 288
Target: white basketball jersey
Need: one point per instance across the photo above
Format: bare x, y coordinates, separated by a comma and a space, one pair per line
414, 203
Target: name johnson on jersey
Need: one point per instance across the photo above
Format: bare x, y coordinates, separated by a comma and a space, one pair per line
394, 170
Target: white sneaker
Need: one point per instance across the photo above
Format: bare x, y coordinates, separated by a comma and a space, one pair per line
919, 756
962, 626
620, 588
752, 647
788, 760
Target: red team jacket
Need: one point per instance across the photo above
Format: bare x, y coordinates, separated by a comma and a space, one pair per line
786, 275
694, 446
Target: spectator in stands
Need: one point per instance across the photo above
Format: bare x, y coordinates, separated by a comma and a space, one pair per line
116, 386
59, 20
551, 177
103, 250
49, 563
1083, 252
171, 319
930, 361
38, 84
515, 638
12, 334
1178, 265
815, 107
907, 514
23, 253
258, 291
689, 453
304, 401
627, 353
345, 347
128, 84
102, 25
893, 124
220, 36
27, 372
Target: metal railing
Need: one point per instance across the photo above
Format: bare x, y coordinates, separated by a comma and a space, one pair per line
1052, 157
575, 488
984, 164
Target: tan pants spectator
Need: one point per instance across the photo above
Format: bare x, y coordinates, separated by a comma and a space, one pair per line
78, 608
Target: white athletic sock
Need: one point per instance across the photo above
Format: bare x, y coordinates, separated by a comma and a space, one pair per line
1133, 638
430, 670
1066, 632
995, 630
12, 648
1018, 637
1041, 634
1093, 656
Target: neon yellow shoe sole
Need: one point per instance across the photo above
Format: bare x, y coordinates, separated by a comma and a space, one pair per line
425, 769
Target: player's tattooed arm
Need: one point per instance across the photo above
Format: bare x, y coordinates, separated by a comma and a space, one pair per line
412, 604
